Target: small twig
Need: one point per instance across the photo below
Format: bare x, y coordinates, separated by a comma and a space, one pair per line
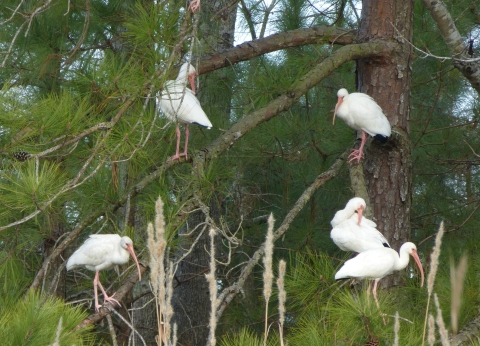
13, 13
129, 325
267, 11
37, 11
454, 228
111, 329
10, 48
473, 151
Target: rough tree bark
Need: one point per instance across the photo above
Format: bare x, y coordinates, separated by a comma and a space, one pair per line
388, 168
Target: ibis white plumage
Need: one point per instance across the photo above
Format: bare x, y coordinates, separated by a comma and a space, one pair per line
377, 263
103, 251
353, 232
362, 113
180, 105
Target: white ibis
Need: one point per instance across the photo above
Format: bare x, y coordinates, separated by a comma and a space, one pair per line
180, 105
103, 251
354, 232
377, 263
362, 113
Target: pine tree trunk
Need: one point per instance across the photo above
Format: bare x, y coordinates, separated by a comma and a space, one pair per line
388, 168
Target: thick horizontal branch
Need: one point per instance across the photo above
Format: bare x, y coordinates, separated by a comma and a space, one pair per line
288, 39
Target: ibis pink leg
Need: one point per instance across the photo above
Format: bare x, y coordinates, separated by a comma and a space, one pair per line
358, 153
194, 5
187, 133
106, 298
177, 151
376, 301
368, 288
375, 294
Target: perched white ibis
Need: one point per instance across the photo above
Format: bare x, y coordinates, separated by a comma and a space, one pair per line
103, 251
180, 105
354, 232
362, 113
377, 263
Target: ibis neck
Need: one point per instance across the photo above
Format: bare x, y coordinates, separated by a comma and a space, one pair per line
403, 259
343, 215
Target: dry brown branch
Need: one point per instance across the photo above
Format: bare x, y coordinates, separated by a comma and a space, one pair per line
119, 295
13, 13
470, 68
230, 292
82, 36
272, 43
453, 229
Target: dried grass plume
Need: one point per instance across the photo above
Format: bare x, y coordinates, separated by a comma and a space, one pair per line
267, 271
441, 325
431, 330
157, 245
457, 277
212, 287
282, 297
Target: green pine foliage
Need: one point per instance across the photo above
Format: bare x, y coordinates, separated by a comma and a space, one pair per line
53, 92
246, 337
39, 320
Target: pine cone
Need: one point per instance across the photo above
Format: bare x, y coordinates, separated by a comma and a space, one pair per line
21, 156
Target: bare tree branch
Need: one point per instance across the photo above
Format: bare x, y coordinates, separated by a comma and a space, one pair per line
288, 39
230, 292
454, 42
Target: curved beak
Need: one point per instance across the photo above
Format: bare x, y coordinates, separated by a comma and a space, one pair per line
191, 78
132, 253
360, 213
419, 264
340, 100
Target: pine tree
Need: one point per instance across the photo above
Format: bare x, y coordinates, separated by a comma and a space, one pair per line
85, 151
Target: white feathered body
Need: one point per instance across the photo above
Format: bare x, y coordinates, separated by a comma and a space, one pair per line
178, 103
349, 236
100, 251
376, 264
362, 113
